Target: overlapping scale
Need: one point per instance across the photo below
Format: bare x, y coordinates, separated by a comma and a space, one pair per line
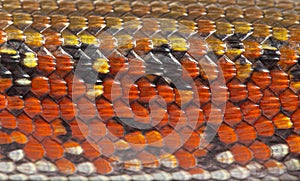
133, 90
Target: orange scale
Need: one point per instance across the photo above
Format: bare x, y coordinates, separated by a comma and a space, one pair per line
64, 63
14, 103
107, 147
122, 110
118, 63
197, 48
233, 114
148, 160
281, 121
288, 57
177, 117
25, 124
130, 90
254, 92
46, 61
166, 92
289, 100
32, 107
5, 138
33, 149
76, 87
8, 120
147, 90
86, 109
251, 111
294, 143
197, 171
242, 154
296, 121
42, 129
3, 102
5, 83
65, 166
137, 140
200, 153
159, 115
269, 104
40, 86
261, 78
53, 149
206, 27
154, 138
195, 116
97, 129
213, 114
227, 134
103, 166
237, 90
183, 97
219, 93
80, 130
52, 39
171, 138
136, 68
227, 67
260, 151
280, 80
105, 109
58, 129
110, 86
143, 45
264, 127
67, 109
58, 87
91, 150
50, 110
115, 128
141, 114
190, 67
19, 137
186, 160
192, 142
246, 133
253, 50
203, 91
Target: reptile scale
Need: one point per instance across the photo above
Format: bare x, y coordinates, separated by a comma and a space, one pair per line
149, 90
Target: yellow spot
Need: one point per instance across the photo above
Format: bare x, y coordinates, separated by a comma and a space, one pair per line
216, 45
30, 60
224, 28
34, 39
70, 38
178, 44
113, 22
94, 91
244, 69
281, 34
8, 51
242, 27
282, 122
101, 65
268, 47
88, 39
14, 33
125, 41
158, 41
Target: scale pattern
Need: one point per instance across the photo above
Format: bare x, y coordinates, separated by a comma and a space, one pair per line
125, 90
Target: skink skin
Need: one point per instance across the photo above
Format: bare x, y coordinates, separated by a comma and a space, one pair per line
149, 90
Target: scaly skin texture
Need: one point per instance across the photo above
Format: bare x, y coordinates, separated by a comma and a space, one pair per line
191, 89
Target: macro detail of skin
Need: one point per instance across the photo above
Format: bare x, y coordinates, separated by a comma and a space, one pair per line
149, 90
